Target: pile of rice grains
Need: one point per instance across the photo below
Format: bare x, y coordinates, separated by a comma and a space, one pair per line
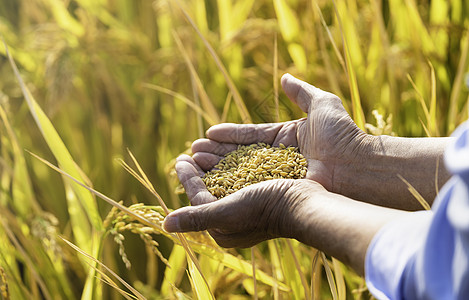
251, 164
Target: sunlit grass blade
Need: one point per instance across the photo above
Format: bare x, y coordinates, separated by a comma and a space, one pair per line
291, 273
196, 272
290, 30
22, 192
143, 179
253, 262
243, 111
357, 111
433, 124
25, 256
207, 104
298, 269
330, 277
99, 194
90, 257
177, 261
199, 283
225, 258
8, 257
276, 80
316, 276
211, 121
237, 264
458, 85
429, 128
416, 194
81, 204
331, 39
339, 279
327, 58
83, 209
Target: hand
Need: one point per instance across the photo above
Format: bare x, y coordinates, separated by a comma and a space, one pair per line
300, 209
328, 137
341, 157
259, 212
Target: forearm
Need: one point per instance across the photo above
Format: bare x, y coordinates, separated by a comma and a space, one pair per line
376, 175
342, 227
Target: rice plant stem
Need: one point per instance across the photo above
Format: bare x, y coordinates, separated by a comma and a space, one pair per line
298, 267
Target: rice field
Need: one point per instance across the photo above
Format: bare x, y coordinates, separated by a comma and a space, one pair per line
98, 98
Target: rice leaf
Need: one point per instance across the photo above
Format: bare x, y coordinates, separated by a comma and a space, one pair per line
208, 118
456, 98
81, 204
199, 282
290, 30
416, 194
339, 279
291, 274
253, 262
430, 115
65, 20
236, 264
97, 262
172, 275
298, 269
330, 277
243, 111
207, 105
357, 111
433, 122
24, 201
27, 259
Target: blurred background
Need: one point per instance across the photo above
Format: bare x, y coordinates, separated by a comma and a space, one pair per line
152, 75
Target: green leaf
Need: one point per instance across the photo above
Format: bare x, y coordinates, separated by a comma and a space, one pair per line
177, 261
84, 216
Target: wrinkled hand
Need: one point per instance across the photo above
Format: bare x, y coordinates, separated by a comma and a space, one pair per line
328, 137
259, 212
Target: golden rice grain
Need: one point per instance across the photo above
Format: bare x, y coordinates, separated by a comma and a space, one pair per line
252, 164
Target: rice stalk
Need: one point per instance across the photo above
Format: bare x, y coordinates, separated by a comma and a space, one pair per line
97, 262
298, 268
357, 111
416, 194
243, 111
253, 262
184, 99
207, 105
339, 279
276, 80
24, 255
193, 262
458, 85
83, 207
329, 276
430, 117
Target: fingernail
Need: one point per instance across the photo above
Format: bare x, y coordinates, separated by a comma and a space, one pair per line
171, 224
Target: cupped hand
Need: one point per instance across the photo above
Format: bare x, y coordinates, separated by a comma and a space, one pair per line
259, 212
328, 137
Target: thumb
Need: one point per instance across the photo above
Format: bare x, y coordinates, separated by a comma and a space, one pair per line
302, 93
189, 218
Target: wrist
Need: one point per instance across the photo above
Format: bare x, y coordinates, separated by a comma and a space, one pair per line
376, 174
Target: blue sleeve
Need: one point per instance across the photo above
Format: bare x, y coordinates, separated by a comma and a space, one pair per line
426, 254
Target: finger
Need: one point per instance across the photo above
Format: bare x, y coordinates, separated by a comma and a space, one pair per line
201, 217
193, 184
185, 219
206, 160
187, 158
302, 93
211, 146
244, 133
